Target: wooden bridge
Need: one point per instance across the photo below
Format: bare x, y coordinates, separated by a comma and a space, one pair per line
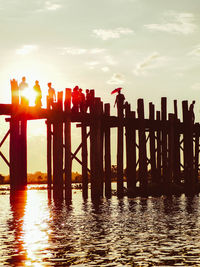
162, 151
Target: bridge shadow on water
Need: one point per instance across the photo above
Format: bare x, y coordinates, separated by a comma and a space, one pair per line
153, 230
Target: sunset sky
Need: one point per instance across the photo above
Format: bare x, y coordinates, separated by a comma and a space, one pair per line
150, 48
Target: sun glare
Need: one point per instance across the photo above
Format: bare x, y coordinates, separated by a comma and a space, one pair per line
33, 70
30, 95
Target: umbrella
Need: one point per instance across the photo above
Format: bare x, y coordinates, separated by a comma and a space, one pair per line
116, 90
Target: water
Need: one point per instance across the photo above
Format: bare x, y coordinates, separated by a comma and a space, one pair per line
128, 232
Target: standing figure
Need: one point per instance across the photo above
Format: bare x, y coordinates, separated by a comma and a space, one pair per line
22, 88
88, 99
38, 99
191, 110
119, 99
82, 100
51, 95
75, 99
14, 92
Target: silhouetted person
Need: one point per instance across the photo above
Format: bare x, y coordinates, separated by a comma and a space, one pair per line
88, 99
75, 99
191, 110
51, 95
22, 88
14, 91
81, 100
38, 99
119, 100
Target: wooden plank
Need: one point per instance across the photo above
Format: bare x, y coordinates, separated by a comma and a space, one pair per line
4, 138
4, 159
80, 146
107, 155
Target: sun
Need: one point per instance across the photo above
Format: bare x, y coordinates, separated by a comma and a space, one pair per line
30, 95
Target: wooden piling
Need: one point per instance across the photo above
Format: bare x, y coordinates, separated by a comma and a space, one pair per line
120, 147
152, 143
58, 151
49, 155
107, 153
188, 148
84, 161
96, 150
158, 149
18, 143
142, 149
171, 153
23, 144
196, 157
49, 152
67, 147
14, 149
164, 140
101, 135
130, 151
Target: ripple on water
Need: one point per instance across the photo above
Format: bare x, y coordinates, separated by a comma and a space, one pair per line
129, 232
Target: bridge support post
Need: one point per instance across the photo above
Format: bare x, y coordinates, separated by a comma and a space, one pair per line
58, 151
18, 153
108, 190
67, 137
18, 143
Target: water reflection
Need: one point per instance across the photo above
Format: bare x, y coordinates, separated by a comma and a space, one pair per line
18, 254
116, 232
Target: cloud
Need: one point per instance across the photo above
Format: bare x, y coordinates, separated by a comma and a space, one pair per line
110, 60
112, 33
80, 51
195, 51
92, 64
26, 49
196, 87
97, 50
52, 6
173, 22
117, 78
73, 51
105, 69
153, 61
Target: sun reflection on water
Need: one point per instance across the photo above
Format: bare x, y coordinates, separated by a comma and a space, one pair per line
35, 229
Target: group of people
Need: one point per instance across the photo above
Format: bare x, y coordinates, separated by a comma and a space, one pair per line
81, 101
23, 86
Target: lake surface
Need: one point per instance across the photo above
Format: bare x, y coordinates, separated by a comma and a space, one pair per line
35, 231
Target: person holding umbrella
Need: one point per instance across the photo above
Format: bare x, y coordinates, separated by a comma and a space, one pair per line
119, 98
